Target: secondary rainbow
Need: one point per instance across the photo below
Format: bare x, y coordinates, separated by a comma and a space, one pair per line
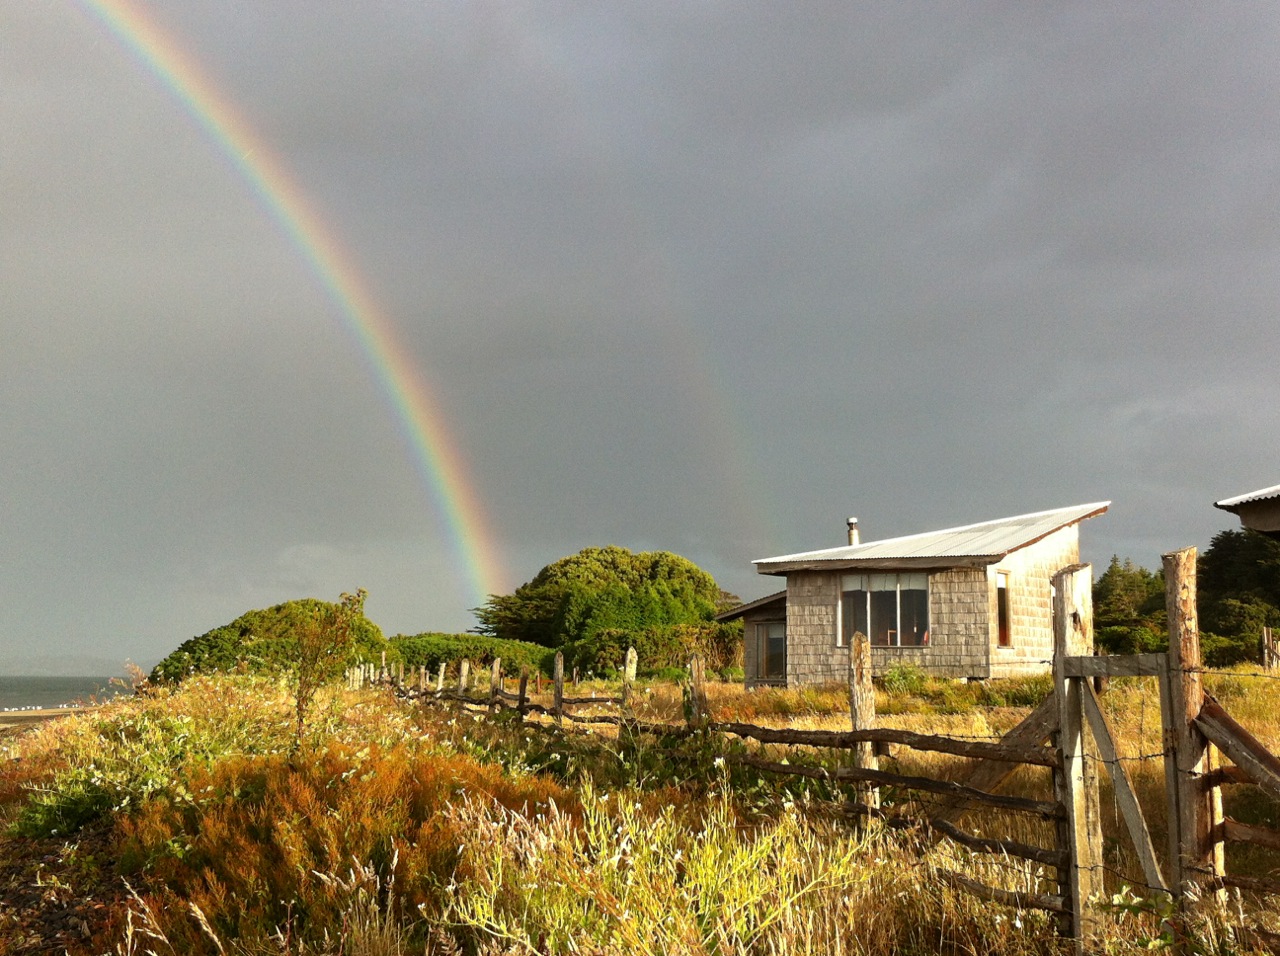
434, 451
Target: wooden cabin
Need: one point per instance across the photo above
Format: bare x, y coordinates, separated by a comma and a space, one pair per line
973, 601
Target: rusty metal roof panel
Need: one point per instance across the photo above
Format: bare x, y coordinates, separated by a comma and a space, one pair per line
1262, 494
984, 542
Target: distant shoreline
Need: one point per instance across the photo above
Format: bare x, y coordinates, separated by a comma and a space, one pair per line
25, 694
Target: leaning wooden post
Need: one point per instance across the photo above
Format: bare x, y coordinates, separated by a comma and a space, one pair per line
464, 672
522, 698
862, 716
628, 680
1076, 784
1195, 812
697, 710
558, 676
495, 683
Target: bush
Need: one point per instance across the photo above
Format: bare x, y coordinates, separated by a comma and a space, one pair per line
1223, 650
1123, 639
266, 642
431, 650
903, 679
659, 647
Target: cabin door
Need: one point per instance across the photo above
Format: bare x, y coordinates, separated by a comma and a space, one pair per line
771, 651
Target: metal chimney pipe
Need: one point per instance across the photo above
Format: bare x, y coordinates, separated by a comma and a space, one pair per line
853, 532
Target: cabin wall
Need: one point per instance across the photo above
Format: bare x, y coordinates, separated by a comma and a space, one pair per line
812, 654
958, 629
1031, 570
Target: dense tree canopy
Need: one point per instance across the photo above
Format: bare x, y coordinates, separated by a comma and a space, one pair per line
600, 588
1239, 593
266, 640
1128, 609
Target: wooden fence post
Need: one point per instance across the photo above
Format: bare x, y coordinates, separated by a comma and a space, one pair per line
558, 676
382, 674
422, 679
862, 716
1195, 812
1076, 784
537, 681
697, 710
523, 696
440, 678
575, 678
628, 680
464, 672
495, 683
1270, 654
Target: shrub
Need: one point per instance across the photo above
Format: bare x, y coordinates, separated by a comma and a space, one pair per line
658, 648
265, 642
903, 679
1223, 650
431, 650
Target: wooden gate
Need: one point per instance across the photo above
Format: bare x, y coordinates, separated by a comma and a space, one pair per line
1198, 734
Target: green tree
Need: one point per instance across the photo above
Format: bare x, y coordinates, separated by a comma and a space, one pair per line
1128, 608
601, 588
1238, 592
325, 640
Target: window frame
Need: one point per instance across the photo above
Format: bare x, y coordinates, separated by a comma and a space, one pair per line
874, 583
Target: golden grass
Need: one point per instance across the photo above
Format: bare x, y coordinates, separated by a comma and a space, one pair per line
401, 829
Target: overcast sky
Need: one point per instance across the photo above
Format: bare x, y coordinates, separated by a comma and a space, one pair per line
706, 278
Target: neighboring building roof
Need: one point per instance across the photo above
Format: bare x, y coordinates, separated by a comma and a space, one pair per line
1233, 504
975, 545
1258, 510
759, 603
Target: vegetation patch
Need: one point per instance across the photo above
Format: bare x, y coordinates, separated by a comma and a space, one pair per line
433, 649
267, 642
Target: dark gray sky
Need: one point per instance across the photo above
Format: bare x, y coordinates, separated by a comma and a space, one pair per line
700, 277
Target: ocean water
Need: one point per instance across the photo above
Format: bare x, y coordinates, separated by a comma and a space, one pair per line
18, 693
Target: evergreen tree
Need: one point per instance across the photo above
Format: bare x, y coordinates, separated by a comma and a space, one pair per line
1238, 591
1128, 609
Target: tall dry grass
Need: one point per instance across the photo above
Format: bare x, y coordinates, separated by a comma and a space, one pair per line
401, 829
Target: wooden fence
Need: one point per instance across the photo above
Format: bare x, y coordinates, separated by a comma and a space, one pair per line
1068, 733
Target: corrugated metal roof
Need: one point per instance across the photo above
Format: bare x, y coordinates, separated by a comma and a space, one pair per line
1228, 504
976, 543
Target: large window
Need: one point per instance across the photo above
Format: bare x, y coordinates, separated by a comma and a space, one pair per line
891, 609
771, 651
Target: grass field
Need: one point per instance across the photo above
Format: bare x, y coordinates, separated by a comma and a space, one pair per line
190, 821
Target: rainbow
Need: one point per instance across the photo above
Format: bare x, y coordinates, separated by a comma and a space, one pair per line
434, 451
